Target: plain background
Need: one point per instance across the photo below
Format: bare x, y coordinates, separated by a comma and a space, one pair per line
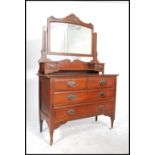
110, 20
142, 69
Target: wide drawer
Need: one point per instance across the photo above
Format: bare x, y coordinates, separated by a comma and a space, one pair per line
86, 110
69, 84
62, 98
100, 82
69, 98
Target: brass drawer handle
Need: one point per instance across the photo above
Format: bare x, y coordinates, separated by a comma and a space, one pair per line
101, 94
101, 107
99, 67
71, 112
101, 82
71, 97
71, 83
52, 66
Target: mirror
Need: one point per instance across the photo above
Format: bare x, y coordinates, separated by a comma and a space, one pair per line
70, 39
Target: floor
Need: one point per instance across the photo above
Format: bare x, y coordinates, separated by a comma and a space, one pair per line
78, 136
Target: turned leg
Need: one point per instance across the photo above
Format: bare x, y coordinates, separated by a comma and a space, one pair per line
112, 121
96, 118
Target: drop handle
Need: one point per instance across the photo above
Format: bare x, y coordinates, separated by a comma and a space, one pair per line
71, 84
71, 97
101, 94
71, 112
52, 66
102, 82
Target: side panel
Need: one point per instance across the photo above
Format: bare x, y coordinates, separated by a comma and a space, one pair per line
44, 95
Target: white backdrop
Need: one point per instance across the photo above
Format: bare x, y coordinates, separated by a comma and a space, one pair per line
110, 20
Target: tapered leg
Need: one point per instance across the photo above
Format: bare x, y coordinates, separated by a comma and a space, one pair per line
41, 125
112, 121
51, 128
96, 118
51, 136
40, 122
51, 133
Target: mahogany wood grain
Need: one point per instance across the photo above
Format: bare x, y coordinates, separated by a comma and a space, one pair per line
82, 111
72, 19
100, 94
94, 43
62, 84
88, 101
62, 98
44, 95
67, 65
95, 82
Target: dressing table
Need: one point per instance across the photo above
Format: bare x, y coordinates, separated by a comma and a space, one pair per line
72, 89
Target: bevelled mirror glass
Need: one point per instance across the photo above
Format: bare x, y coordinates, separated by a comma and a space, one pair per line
69, 36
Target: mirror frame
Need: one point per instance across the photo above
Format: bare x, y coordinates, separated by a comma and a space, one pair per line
71, 19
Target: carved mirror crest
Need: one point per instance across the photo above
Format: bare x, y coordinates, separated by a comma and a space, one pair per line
69, 36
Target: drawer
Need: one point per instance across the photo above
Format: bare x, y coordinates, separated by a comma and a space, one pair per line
101, 94
69, 84
69, 98
50, 67
100, 82
61, 98
75, 112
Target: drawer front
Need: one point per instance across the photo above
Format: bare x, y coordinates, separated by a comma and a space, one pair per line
74, 112
61, 98
100, 82
69, 98
70, 84
50, 67
101, 94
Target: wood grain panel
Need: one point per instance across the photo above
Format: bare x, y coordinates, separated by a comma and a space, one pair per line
100, 82
62, 114
62, 98
62, 84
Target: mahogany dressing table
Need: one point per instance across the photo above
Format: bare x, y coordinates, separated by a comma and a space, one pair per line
70, 90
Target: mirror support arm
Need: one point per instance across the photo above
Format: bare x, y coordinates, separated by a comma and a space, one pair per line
95, 60
44, 46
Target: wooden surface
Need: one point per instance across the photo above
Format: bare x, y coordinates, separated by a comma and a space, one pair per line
96, 82
80, 111
61, 84
72, 19
48, 67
